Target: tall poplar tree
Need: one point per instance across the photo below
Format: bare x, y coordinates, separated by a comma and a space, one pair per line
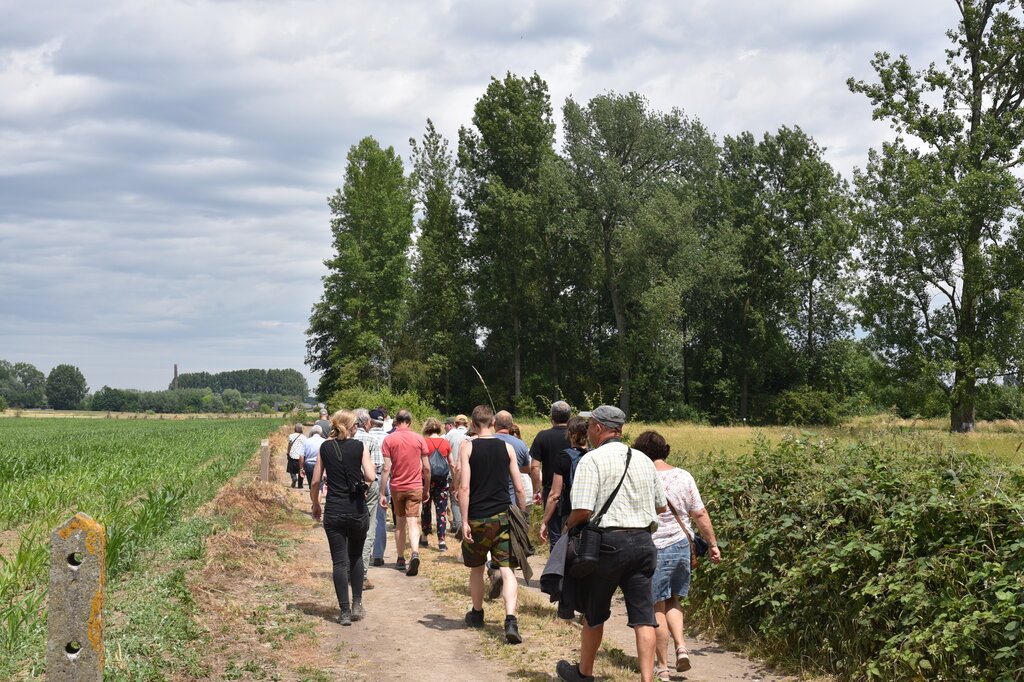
356, 326
808, 207
941, 206
501, 162
438, 324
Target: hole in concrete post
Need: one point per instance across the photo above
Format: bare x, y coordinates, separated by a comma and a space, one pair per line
73, 647
75, 559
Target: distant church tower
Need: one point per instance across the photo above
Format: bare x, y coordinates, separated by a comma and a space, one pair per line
175, 384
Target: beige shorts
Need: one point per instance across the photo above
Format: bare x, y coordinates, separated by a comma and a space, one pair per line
407, 502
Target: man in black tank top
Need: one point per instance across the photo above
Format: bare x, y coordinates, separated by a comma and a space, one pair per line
486, 467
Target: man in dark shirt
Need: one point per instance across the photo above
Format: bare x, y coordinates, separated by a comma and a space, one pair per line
324, 423
487, 465
546, 446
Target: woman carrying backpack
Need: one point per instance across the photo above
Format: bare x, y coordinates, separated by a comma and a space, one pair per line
559, 499
441, 465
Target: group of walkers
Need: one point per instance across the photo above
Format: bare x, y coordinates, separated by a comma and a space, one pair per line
473, 479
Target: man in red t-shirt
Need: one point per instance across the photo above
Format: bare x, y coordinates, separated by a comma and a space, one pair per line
407, 467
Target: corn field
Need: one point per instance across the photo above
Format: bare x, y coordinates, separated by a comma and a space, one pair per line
138, 478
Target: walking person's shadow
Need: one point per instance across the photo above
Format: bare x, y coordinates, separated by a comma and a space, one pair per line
436, 621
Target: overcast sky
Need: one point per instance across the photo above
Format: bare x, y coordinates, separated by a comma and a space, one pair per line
164, 166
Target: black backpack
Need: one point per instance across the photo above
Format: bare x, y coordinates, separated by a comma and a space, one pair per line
439, 465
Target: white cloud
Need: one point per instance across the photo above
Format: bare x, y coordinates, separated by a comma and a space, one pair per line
33, 90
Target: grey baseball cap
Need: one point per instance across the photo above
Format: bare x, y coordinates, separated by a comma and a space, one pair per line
609, 416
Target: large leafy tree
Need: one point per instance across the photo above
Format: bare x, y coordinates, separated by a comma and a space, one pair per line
807, 205
752, 339
355, 328
65, 387
502, 158
621, 155
22, 385
941, 207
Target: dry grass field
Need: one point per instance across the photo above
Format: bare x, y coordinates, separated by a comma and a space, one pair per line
1004, 439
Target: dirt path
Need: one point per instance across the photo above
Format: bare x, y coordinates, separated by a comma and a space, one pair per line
711, 662
410, 631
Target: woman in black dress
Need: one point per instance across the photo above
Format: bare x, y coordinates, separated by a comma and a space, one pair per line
346, 463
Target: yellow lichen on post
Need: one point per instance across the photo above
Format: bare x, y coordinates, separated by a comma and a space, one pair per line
75, 604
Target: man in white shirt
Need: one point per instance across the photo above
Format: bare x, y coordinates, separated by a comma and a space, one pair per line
628, 557
311, 451
364, 433
455, 436
380, 531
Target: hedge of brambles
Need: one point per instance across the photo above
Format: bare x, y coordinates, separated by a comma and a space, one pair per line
897, 561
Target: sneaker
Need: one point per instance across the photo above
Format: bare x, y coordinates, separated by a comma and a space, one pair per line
512, 635
570, 672
377, 561
400, 564
474, 618
494, 575
346, 617
358, 612
423, 542
414, 566
442, 546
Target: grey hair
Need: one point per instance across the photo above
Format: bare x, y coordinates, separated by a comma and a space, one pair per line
560, 412
298, 428
362, 417
316, 429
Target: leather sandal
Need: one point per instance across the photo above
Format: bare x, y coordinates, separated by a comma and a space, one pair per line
682, 659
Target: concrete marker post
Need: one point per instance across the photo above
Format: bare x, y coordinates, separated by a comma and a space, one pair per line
265, 461
78, 576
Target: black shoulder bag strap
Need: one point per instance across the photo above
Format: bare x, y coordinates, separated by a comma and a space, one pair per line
608, 502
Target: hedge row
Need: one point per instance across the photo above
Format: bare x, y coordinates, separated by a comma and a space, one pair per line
898, 561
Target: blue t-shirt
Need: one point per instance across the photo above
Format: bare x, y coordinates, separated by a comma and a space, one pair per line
523, 458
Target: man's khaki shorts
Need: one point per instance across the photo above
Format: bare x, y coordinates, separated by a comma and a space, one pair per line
407, 502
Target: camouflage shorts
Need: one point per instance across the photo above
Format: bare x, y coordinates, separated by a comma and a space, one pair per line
490, 534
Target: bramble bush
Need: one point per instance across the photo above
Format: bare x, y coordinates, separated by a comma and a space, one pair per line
356, 397
805, 405
871, 561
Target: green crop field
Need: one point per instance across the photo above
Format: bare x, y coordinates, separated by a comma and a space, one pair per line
139, 478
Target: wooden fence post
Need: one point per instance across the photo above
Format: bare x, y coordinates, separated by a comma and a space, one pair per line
265, 463
78, 576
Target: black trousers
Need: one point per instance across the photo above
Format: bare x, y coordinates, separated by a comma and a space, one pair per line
345, 536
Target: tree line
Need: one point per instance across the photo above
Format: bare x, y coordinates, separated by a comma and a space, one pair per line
287, 382
22, 385
679, 274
